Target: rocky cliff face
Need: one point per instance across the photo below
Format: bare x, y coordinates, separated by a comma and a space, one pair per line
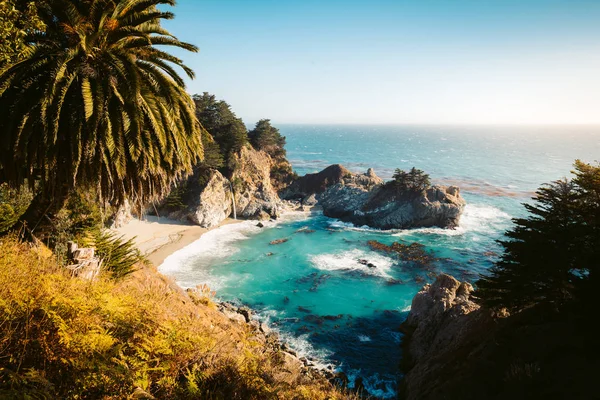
438, 316
206, 206
443, 322
206, 198
364, 199
255, 197
454, 349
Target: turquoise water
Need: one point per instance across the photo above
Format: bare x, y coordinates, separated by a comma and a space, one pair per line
314, 289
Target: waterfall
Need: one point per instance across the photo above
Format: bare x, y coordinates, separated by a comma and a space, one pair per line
233, 201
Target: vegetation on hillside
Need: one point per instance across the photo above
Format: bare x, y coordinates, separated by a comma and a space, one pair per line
66, 338
266, 137
94, 102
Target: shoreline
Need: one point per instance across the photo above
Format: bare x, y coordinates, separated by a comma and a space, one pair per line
159, 237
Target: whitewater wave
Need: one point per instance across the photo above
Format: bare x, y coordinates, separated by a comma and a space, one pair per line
350, 261
192, 263
476, 218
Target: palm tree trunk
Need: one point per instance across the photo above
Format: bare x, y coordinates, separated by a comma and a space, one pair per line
36, 221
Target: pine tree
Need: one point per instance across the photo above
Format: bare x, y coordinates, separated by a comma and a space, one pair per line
266, 137
552, 255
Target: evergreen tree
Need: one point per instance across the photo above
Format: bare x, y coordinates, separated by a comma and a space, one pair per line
552, 255
414, 180
228, 131
266, 137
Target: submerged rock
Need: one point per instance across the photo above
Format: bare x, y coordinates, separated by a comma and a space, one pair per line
279, 241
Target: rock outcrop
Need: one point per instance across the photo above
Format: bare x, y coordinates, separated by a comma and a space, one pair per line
206, 205
122, 216
364, 199
437, 315
455, 349
255, 197
443, 322
207, 197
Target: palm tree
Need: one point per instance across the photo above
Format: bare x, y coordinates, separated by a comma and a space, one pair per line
96, 102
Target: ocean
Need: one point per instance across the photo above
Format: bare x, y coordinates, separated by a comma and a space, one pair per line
314, 291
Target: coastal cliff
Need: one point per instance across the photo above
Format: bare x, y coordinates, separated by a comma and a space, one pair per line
453, 348
207, 197
364, 199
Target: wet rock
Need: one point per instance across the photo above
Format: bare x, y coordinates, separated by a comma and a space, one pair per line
304, 309
286, 300
264, 328
260, 225
305, 229
393, 281
255, 325
269, 254
246, 312
278, 241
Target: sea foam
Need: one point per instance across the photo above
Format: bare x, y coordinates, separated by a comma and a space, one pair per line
350, 261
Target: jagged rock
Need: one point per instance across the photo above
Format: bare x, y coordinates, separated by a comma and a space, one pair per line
84, 263
309, 200
246, 312
434, 308
206, 204
310, 184
364, 199
260, 225
443, 322
255, 197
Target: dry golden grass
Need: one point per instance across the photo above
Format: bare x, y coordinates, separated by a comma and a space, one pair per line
63, 337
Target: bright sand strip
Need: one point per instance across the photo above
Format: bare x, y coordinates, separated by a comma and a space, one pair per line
159, 237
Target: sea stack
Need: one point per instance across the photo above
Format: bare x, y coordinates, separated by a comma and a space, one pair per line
365, 199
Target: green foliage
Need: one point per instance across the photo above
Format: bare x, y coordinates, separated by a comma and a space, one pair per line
414, 180
13, 203
64, 338
213, 159
81, 214
95, 102
228, 131
119, 256
266, 137
17, 20
551, 256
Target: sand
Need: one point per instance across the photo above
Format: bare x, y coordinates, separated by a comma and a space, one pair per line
159, 237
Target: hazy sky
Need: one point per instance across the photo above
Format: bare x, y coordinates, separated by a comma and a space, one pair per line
401, 61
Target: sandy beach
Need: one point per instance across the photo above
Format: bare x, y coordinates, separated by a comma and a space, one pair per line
159, 237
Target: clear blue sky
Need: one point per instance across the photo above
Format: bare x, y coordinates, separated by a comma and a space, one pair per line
401, 61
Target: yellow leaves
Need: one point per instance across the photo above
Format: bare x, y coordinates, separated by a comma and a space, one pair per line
88, 98
111, 24
112, 338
